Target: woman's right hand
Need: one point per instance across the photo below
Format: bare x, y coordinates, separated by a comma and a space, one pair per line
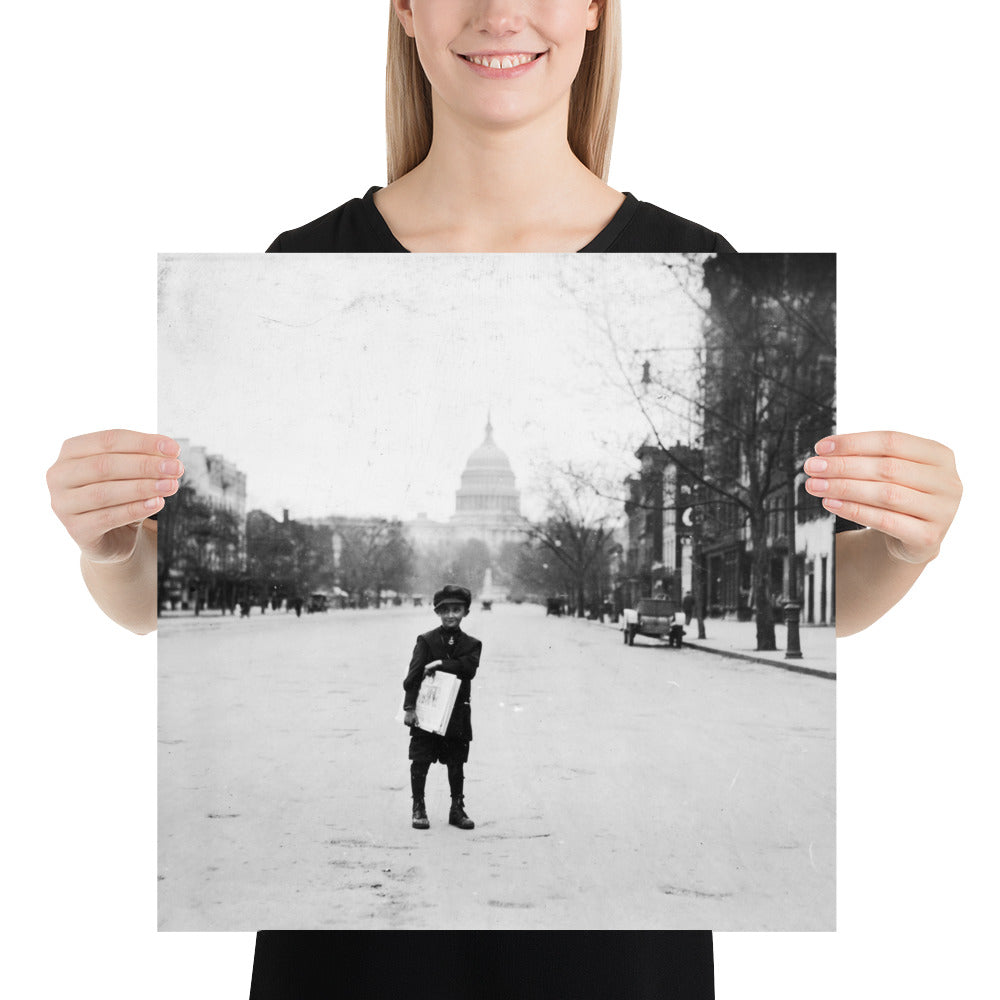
104, 485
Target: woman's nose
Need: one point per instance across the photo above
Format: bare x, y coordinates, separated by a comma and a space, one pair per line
500, 17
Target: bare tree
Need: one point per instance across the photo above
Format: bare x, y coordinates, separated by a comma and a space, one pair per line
577, 535
753, 395
374, 556
198, 550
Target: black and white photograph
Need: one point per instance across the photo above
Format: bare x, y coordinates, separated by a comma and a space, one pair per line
491, 597
212, 127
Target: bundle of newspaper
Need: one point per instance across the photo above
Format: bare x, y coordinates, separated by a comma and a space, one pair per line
435, 702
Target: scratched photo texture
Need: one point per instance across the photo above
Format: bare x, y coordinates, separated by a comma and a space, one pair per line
606, 451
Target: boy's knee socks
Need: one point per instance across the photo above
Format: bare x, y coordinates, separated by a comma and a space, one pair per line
418, 777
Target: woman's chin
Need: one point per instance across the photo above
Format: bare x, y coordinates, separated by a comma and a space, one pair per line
503, 113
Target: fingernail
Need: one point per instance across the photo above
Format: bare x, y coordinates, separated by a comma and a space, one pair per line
825, 447
170, 467
152, 503
818, 485
169, 448
830, 504
816, 465
165, 485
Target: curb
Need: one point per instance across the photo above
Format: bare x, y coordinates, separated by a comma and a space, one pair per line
793, 667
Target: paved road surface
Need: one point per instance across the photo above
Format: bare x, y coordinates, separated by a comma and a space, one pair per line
612, 787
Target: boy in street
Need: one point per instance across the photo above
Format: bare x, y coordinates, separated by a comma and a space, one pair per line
450, 649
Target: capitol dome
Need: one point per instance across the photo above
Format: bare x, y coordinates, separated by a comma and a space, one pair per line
488, 503
489, 456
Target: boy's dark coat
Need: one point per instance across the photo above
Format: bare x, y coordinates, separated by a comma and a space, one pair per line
462, 659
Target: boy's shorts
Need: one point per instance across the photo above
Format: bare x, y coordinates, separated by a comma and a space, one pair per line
429, 747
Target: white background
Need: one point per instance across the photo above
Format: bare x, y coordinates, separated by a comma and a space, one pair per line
211, 126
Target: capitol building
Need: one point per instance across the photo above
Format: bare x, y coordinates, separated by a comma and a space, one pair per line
487, 503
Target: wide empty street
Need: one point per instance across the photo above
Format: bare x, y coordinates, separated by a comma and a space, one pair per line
611, 786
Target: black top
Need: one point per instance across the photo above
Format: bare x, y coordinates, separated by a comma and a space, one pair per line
490, 965
483, 965
637, 227
840, 525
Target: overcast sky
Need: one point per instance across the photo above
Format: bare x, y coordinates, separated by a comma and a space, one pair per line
360, 383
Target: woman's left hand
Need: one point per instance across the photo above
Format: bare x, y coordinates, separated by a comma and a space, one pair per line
903, 486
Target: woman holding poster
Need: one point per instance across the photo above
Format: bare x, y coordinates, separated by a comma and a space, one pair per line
500, 170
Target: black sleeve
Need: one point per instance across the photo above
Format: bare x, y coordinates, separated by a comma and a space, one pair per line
722, 245
466, 665
275, 246
415, 674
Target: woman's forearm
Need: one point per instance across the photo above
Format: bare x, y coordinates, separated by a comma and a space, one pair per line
126, 591
870, 580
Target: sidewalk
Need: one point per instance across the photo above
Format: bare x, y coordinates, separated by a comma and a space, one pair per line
739, 640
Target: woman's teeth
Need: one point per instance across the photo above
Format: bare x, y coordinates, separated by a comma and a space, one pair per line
501, 62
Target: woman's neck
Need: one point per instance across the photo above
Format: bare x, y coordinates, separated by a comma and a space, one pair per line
497, 189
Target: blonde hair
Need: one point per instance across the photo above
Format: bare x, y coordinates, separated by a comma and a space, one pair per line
593, 99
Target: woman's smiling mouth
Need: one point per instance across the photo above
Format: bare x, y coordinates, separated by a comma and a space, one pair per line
500, 64
505, 60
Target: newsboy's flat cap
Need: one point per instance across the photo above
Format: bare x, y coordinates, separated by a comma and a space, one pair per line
452, 594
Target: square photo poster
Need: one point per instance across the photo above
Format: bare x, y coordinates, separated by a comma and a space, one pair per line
601, 456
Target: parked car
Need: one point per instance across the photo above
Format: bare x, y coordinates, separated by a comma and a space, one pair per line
318, 602
655, 617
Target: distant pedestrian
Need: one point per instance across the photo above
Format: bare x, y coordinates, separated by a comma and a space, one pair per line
453, 651
688, 605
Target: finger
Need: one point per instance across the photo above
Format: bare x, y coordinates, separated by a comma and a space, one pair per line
122, 441
884, 496
887, 470
111, 467
88, 529
913, 532
887, 443
97, 496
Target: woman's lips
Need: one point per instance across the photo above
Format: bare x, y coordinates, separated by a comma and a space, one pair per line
501, 65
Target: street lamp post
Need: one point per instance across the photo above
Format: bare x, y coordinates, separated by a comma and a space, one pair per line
793, 651
793, 609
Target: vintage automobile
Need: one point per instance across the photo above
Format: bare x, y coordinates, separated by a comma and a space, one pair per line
554, 605
655, 617
317, 602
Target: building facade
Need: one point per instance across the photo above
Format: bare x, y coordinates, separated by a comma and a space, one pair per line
768, 392
214, 478
201, 536
673, 520
660, 515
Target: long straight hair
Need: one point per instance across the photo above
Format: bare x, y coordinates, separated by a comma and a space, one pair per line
593, 99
